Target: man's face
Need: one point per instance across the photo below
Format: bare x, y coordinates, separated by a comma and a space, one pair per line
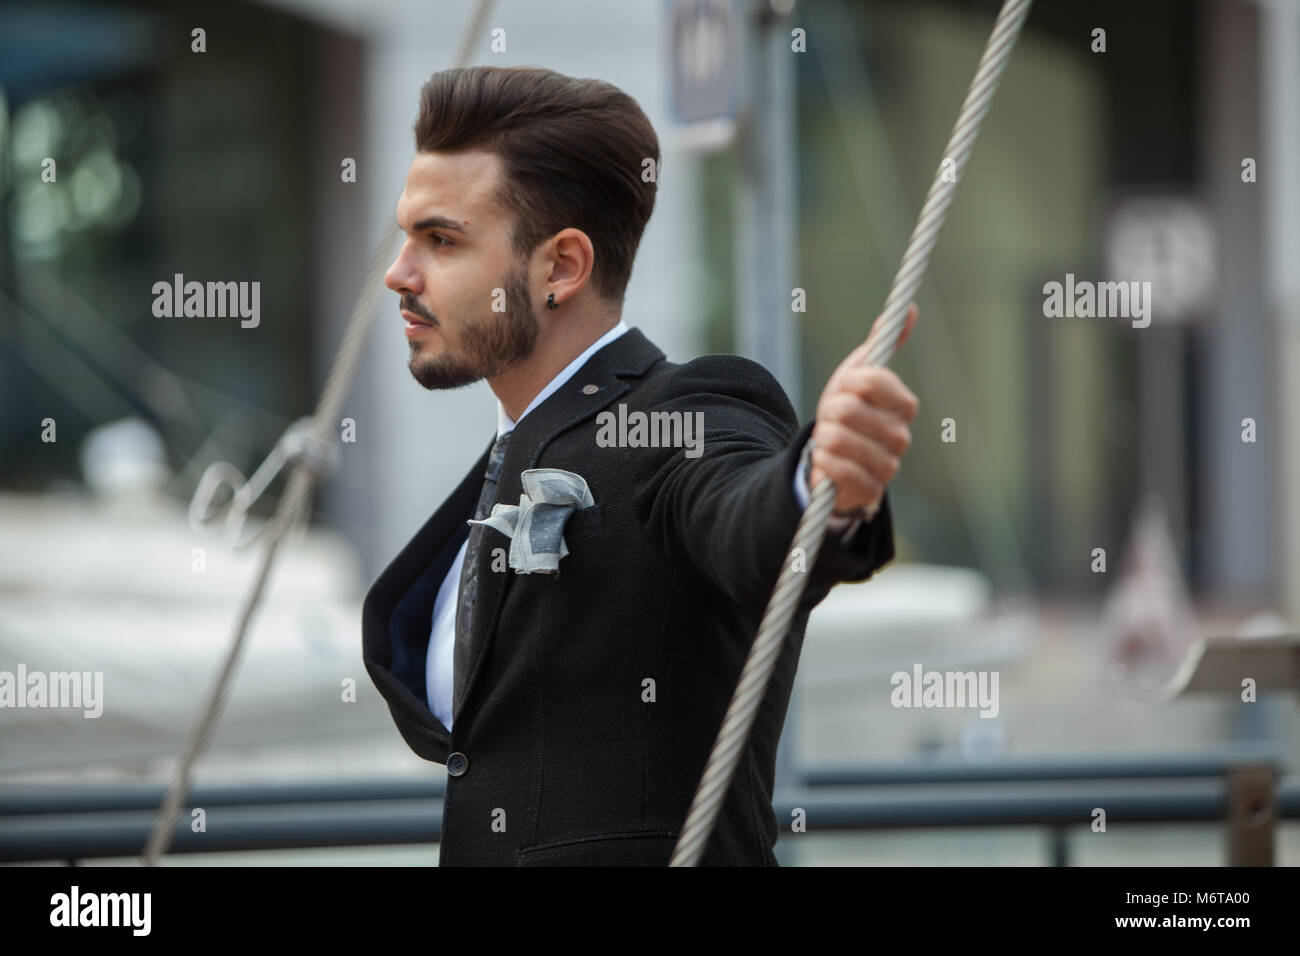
455, 255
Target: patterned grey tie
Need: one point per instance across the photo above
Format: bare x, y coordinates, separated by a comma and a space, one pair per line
469, 572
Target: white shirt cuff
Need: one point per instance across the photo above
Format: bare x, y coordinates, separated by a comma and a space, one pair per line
843, 525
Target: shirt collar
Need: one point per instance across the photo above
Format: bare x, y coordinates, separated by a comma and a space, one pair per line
504, 423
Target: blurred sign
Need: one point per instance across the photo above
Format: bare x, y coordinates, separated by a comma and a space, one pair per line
704, 62
1169, 242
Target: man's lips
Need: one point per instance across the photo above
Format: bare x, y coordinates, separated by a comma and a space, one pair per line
414, 319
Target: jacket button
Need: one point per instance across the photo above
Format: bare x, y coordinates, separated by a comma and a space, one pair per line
457, 763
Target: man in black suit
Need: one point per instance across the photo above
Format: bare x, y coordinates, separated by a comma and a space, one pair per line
575, 709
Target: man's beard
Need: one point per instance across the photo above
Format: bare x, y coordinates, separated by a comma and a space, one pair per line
486, 347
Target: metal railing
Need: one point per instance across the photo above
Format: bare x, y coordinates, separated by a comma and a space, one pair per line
1244, 791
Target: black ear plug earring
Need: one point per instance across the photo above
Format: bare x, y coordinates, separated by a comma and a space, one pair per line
550, 301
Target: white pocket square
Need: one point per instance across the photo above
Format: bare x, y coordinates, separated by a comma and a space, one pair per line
535, 526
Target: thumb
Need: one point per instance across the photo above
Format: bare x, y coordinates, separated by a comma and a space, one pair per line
912, 314
859, 354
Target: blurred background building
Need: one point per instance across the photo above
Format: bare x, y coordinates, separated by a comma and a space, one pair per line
1071, 434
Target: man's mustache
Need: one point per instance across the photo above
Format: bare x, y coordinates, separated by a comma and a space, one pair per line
410, 304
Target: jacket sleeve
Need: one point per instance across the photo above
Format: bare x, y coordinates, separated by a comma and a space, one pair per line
730, 513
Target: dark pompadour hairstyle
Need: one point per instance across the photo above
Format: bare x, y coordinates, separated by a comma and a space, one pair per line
572, 154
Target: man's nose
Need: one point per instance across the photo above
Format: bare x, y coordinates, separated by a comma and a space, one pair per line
400, 277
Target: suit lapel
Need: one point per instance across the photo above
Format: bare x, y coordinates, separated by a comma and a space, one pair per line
574, 402
385, 641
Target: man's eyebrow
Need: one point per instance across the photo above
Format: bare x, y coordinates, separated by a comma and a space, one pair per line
437, 222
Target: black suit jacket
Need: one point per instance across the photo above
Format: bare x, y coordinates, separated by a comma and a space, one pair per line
594, 696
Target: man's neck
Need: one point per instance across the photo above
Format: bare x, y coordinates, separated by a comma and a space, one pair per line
516, 387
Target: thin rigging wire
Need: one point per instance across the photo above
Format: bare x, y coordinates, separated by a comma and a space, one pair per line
297, 498
742, 710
